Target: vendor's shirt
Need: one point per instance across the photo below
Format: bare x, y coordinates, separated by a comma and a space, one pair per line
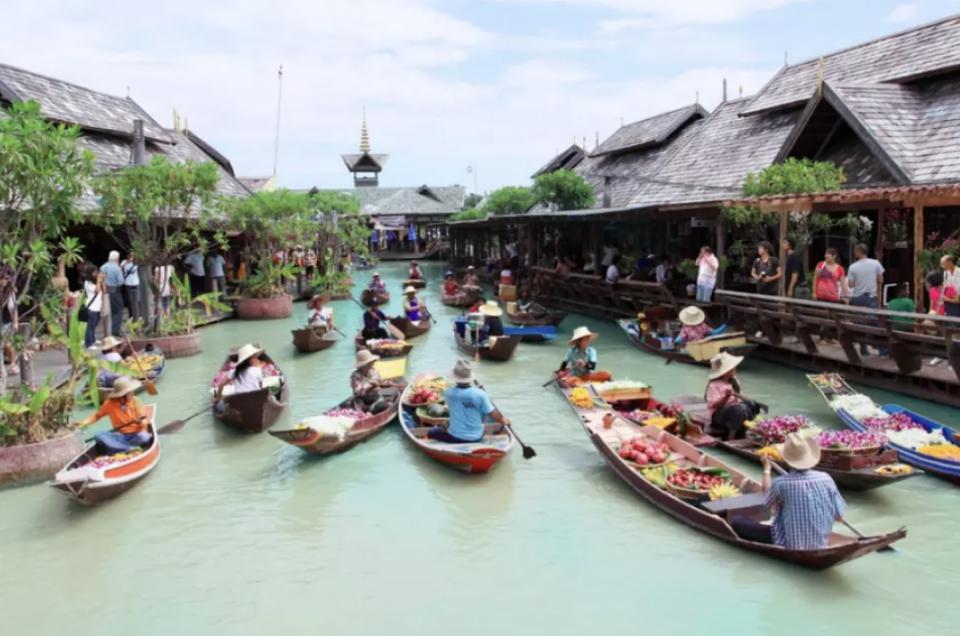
113, 357
377, 285
413, 310
450, 287
716, 391
808, 502
468, 406
371, 321
364, 381
321, 318
415, 273
692, 333
587, 356
127, 415
251, 380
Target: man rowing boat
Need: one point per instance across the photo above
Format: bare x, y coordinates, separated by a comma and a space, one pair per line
127, 415
469, 405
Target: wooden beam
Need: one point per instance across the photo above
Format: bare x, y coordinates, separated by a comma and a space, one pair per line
784, 219
917, 247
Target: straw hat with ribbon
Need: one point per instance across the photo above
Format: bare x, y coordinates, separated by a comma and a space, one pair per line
692, 316
409, 290
463, 372
124, 386
491, 308
582, 332
800, 452
722, 364
247, 351
109, 343
365, 357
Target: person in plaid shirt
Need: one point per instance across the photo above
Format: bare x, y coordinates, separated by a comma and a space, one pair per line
805, 503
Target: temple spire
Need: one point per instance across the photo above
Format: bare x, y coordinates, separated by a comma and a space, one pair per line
364, 135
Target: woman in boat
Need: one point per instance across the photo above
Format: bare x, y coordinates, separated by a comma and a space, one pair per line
365, 382
372, 327
412, 306
728, 409
127, 415
319, 315
580, 364
805, 503
469, 405
415, 273
470, 279
247, 376
376, 284
450, 286
492, 323
695, 325
109, 353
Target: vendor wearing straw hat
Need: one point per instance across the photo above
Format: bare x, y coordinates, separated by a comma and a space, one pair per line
580, 364
109, 353
805, 502
319, 315
365, 382
728, 409
493, 325
127, 415
469, 406
376, 283
695, 325
412, 305
247, 376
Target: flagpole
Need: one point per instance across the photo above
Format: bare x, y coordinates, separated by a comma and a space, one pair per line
276, 134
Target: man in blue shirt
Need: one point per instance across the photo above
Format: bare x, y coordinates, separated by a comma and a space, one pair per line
468, 405
194, 263
113, 279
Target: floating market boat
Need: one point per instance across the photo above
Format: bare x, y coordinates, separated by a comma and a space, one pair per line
93, 477
253, 411
532, 334
416, 283
318, 440
698, 352
464, 298
542, 318
153, 364
310, 339
389, 348
691, 506
412, 329
833, 386
476, 457
369, 297
501, 351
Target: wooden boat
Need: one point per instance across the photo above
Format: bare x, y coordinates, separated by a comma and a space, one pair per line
713, 518
831, 385
464, 298
368, 297
694, 430
734, 343
153, 373
501, 351
383, 352
310, 339
254, 411
410, 329
317, 443
416, 283
90, 485
475, 458
524, 319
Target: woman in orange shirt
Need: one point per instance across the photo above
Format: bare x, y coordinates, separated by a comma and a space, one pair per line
127, 415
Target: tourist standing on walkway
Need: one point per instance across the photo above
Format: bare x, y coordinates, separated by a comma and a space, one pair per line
766, 270
131, 286
951, 286
865, 279
934, 285
829, 279
113, 279
93, 302
214, 269
707, 266
793, 268
162, 276
194, 263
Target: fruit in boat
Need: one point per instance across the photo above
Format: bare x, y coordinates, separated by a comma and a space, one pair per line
770, 451
644, 451
581, 398
437, 410
724, 490
894, 469
696, 479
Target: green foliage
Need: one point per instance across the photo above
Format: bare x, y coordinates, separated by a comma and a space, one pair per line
795, 176
509, 200
472, 214
472, 200
182, 318
564, 189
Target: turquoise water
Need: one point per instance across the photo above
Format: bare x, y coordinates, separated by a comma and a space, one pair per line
244, 534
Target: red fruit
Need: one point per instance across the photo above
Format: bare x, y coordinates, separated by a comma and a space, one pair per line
642, 459
625, 453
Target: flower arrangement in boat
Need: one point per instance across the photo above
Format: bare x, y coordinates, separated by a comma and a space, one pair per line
860, 406
891, 423
915, 438
107, 460
948, 452
850, 440
774, 430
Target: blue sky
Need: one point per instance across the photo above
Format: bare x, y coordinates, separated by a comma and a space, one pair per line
497, 84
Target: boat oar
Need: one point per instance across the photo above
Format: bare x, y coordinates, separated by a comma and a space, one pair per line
147, 382
886, 548
551, 381
528, 452
176, 425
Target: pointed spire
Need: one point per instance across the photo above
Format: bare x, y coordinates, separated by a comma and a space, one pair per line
820, 78
364, 135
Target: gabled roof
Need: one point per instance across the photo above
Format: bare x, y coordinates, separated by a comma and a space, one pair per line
565, 160
412, 201
652, 131
364, 160
908, 55
71, 104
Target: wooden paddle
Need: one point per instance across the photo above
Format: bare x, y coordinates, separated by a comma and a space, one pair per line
528, 452
147, 382
176, 425
886, 548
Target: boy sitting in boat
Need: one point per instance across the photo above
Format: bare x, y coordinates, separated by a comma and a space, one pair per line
470, 279
580, 364
365, 382
319, 315
469, 405
727, 408
127, 415
109, 353
805, 503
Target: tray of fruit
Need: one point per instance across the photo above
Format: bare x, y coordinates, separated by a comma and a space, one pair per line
643, 452
435, 414
695, 483
423, 397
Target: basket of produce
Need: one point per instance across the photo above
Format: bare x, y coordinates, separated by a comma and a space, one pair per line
426, 392
774, 430
389, 348
833, 443
622, 390
643, 452
435, 414
582, 398
695, 484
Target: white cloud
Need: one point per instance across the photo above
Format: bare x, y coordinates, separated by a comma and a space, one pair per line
906, 12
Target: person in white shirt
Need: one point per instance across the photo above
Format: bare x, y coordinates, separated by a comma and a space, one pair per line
610, 254
93, 301
613, 274
319, 315
247, 376
951, 286
707, 265
131, 286
662, 272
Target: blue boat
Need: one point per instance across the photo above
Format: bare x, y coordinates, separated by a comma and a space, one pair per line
542, 333
941, 468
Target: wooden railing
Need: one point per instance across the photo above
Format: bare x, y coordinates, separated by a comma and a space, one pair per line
590, 294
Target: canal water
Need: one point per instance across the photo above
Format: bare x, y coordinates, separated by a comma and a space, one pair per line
243, 534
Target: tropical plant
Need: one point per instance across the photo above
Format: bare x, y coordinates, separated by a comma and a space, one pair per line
795, 176
564, 190
895, 226
472, 200
342, 231
182, 318
936, 247
471, 214
509, 200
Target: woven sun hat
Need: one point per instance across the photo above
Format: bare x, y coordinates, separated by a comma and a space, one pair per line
800, 452
109, 343
124, 386
491, 308
583, 332
463, 372
692, 316
376, 274
409, 290
316, 300
723, 363
247, 351
365, 357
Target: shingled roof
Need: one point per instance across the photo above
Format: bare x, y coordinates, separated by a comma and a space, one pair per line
71, 104
565, 160
352, 161
408, 201
652, 131
908, 55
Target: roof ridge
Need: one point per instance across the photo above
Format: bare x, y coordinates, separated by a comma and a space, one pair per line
61, 81
663, 114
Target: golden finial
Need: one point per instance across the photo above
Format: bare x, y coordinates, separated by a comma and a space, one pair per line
364, 136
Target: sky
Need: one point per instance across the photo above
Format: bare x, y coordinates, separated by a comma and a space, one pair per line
473, 92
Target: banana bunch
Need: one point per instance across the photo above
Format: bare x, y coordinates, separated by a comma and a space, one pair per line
147, 362
724, 491
658, 476
894, 469
770, 451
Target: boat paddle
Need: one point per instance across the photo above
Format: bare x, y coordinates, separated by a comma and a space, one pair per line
528, 452
147, 382
886, 548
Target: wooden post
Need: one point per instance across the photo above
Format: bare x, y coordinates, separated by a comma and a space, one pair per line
26, 356
784, 218
878, 248
917, 247
595, 245
721, 248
